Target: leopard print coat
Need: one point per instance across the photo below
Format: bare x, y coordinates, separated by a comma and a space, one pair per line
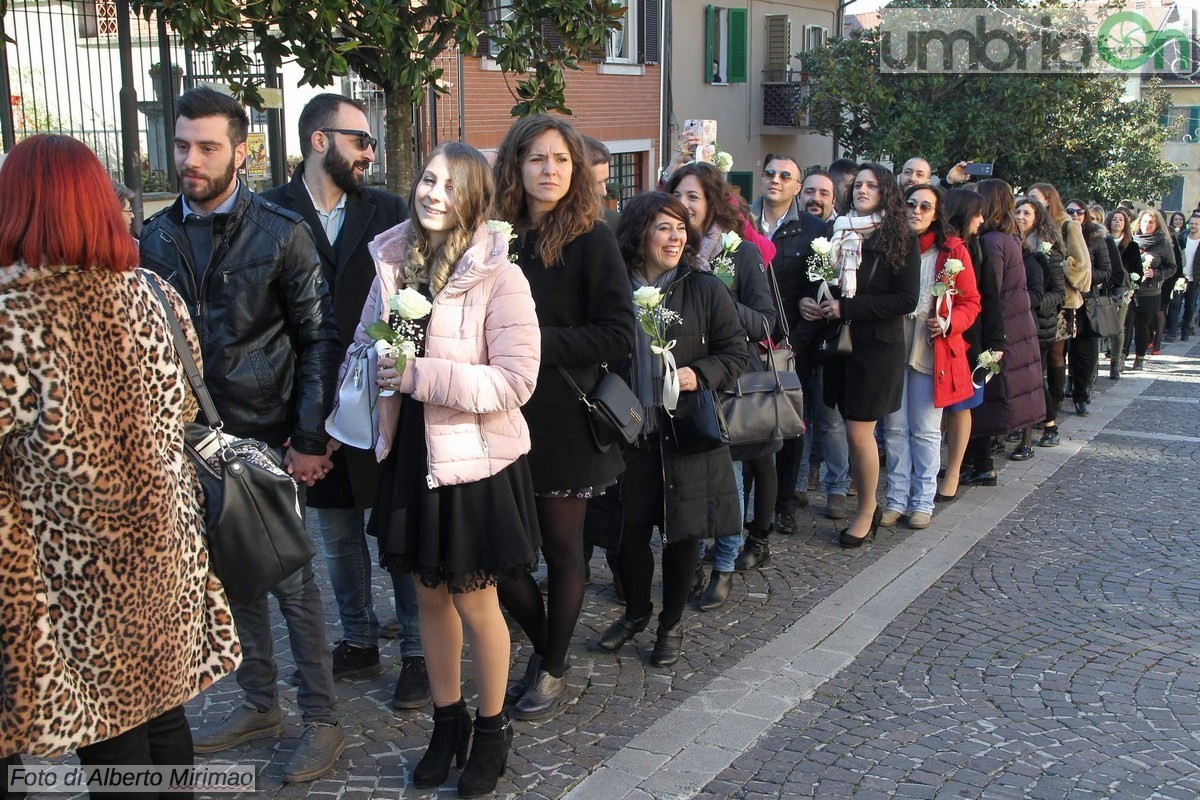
109, 614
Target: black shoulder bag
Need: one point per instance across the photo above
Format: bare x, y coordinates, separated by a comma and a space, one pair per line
252, 517
614, 411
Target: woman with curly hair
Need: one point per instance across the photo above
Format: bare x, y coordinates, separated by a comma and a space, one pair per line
706, 194
879, 270
545, 188
1156, 267
936, 372
456, 505
1045, 283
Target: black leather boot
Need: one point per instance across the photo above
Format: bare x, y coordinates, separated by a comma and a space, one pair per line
668, 646
717, 592
451, 736
518, 689
489, 756
756, 553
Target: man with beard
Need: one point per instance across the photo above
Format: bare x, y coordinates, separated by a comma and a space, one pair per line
327, 190
843, 172
251, 277
818, 196
916, 172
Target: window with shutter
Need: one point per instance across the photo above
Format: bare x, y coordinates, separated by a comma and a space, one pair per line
622, 44
779, 47
648, 31
498, 11
814, 37
726, 34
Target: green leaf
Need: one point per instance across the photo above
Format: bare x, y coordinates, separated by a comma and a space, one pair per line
381, 331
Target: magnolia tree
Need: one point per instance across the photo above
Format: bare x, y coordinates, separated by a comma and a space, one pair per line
394, 44
1074, 131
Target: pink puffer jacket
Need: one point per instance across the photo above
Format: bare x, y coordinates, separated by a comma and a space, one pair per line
482, 351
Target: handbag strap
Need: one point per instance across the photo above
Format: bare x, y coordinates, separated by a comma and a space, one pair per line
582, 394
779, 305
184, 353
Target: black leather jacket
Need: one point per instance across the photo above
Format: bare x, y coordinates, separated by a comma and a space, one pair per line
263, 315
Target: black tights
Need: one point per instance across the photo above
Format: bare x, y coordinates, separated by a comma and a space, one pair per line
164, 740
1056, 378
636, 562
760, 473
550, 624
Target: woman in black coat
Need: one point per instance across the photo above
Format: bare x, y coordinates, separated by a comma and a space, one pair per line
1120, 229
879, 277
1046, 285
1083, 352
706, 195
1155, 269
689, 497
546, 190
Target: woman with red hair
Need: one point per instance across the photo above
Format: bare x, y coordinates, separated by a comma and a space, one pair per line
110, 619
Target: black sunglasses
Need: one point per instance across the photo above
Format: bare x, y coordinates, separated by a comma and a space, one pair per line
365, 139
783, 174
924, 205
1074, 212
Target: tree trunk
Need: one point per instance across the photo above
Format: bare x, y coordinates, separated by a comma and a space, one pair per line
399, 124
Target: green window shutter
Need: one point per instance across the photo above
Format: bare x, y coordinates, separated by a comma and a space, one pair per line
1193, 122
738, 38
710, 14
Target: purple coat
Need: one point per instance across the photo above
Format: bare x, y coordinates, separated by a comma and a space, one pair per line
1014, 398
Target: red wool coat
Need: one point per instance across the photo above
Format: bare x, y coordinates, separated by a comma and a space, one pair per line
951, 372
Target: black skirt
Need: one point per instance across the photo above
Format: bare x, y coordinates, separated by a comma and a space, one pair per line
466, 536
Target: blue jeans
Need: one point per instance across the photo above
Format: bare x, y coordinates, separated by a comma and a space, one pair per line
725, 548
913, 438
349, 563
835, 448
300, 602
1182, 310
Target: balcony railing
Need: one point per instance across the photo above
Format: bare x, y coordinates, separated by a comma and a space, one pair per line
785, 99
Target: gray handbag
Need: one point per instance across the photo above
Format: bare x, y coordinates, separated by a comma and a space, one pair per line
354, 420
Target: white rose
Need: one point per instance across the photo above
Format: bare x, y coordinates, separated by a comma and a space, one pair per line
822, 246
647, 297
723, 161
1181, 285
501, 227
1148, 260
409, 304
730, 242
1044, 248
953, 266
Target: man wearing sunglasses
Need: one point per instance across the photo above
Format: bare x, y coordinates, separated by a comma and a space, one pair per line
792, 229
327, 190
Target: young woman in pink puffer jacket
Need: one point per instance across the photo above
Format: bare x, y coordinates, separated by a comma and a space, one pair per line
456, 506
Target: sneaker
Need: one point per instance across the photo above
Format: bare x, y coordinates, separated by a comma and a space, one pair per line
412, 688
320, 746
352, 661
1049, 438
920, 520
835, 506
243, 725
889, 518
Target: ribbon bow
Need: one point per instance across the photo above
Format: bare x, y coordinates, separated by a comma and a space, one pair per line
670, 391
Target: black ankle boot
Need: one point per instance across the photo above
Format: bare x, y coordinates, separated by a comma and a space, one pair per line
489, 756
717, 592
756, 553
451, 736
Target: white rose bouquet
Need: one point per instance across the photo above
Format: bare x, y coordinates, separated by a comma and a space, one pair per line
821, 268
402, 335
943, 291
655, 318
722, 265
989, 363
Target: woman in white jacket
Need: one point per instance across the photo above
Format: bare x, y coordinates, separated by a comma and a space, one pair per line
456, 505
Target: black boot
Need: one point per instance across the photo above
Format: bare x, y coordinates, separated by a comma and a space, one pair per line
451, 735
489, 756
756, 553
717, 592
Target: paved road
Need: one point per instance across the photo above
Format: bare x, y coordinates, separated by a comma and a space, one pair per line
1039, 640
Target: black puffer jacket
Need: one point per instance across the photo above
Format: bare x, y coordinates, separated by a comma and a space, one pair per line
1046, 284
263, 315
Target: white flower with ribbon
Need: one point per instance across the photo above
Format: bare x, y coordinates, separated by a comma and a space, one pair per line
655, 319
989, 363
399, 336
1180, 287
821, 268
722, 265
943, 293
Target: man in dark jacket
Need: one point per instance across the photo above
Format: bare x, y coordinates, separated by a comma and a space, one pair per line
792, 230
251, 277
327, 190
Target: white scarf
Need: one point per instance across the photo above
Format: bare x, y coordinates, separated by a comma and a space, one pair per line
848, 234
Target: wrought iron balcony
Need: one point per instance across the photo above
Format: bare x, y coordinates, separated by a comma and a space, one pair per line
785, 99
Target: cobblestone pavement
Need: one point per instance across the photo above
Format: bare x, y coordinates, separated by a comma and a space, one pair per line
1056, 658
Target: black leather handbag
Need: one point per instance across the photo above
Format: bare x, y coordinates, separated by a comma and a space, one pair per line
763, 409
698, 425
1102, 315
252, 516
614, 411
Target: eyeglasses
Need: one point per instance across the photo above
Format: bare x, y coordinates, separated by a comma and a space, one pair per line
783, 174
924, 205
365, 139
1076, 212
